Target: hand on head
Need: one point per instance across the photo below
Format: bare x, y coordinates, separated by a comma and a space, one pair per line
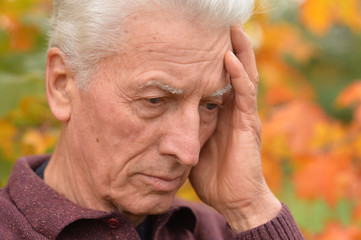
229, 173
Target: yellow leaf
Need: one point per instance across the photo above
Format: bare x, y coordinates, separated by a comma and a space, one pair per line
187, 192
349, 13
34, 142
320, 15
327, 135
317, 15
7, 135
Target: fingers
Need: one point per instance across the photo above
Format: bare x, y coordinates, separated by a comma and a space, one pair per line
243, 49
245, 90
239, 76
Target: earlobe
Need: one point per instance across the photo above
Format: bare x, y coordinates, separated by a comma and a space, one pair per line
59, 85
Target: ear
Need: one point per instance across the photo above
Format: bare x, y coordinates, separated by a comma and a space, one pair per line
59, 85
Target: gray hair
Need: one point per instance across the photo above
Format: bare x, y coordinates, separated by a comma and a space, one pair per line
88, 31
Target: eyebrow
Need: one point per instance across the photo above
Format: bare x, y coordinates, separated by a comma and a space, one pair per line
164, 87
176, 91
221, 92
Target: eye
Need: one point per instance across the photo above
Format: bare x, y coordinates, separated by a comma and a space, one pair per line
210, 106
208, 112
154, 100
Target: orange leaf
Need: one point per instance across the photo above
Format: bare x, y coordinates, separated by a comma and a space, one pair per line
272, 172
22, 39
279, 94
329, 176
351, 95
335, 231
295, 120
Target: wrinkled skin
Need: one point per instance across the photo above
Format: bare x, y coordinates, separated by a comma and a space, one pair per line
157, 113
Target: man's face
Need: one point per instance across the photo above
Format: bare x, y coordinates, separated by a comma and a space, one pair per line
139, 130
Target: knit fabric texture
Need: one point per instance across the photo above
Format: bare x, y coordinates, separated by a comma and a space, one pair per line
30, 209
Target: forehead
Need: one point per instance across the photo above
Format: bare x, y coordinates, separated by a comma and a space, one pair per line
172, 32
165, 45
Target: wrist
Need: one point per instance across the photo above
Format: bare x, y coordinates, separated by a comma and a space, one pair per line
252, 213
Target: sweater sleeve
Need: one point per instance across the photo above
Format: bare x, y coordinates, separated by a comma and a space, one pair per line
283, 226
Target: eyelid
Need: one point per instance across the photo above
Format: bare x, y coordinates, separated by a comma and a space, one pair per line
213, 100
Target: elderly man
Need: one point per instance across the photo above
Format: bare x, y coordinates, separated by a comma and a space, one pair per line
149, 93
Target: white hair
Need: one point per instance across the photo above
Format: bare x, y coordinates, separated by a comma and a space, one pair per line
88, 31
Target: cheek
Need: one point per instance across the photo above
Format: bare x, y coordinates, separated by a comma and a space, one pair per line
114, 120
119, 140
124, 136
207, 131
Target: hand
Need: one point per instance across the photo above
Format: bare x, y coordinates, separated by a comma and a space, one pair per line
229, 175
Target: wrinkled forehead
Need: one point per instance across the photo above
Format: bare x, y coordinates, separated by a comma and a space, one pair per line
173, 50
169, 30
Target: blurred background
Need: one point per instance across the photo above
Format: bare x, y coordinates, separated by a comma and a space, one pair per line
309, 59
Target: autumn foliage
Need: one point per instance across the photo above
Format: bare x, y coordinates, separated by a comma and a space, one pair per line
309, 59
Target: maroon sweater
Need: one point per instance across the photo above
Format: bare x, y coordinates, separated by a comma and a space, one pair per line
30, 209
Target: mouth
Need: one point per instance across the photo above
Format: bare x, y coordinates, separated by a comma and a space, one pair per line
162, 183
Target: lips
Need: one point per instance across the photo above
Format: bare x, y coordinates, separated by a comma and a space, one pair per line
162, 183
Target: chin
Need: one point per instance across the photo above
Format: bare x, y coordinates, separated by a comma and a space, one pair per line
150, 205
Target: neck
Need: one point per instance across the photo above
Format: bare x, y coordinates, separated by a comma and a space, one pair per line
66, 176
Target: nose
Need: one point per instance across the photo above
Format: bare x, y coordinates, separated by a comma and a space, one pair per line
181, 137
